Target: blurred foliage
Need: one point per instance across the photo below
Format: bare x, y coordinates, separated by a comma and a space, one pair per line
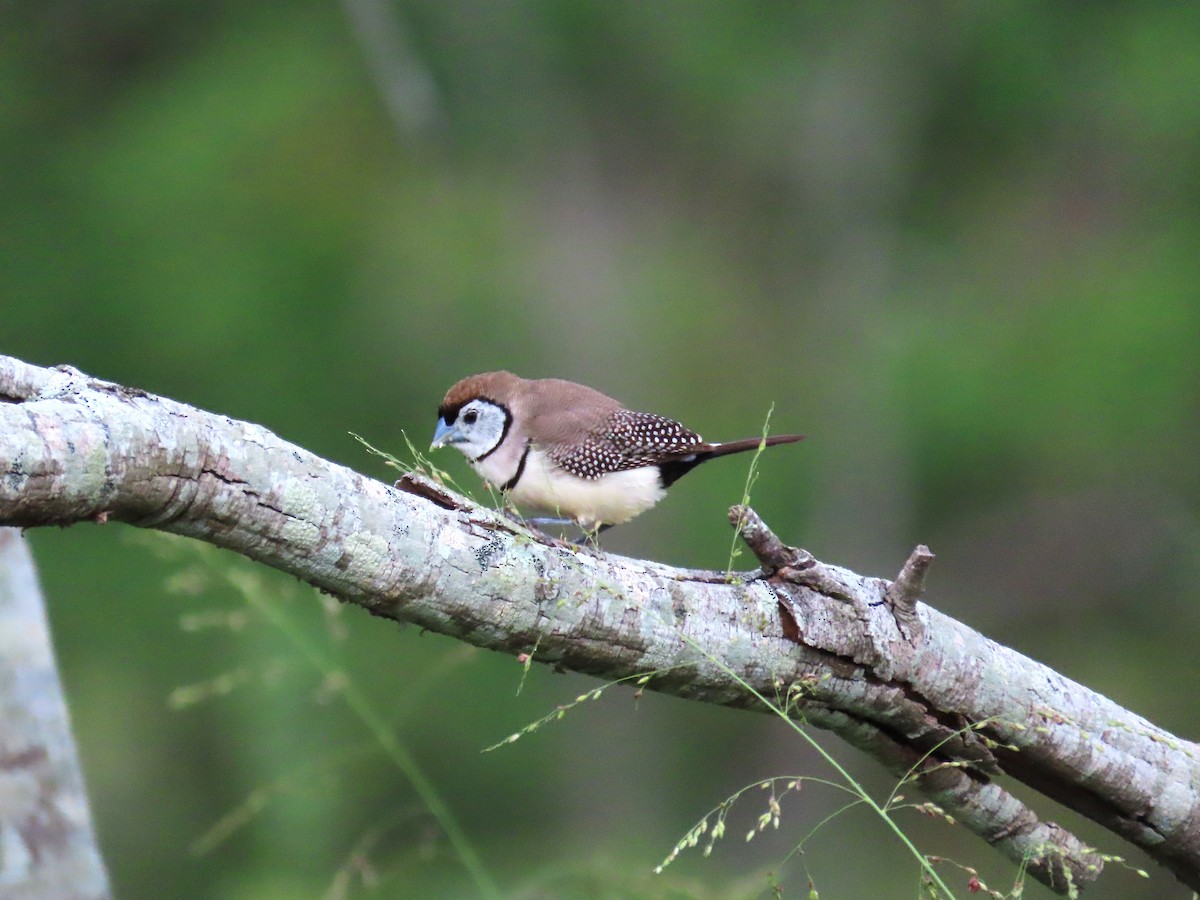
958, 245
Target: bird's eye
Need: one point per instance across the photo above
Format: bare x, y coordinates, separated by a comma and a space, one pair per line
470, 417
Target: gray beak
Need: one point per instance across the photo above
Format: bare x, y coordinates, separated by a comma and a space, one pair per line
444, 434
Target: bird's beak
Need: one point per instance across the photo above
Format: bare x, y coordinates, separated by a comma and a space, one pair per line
444, 434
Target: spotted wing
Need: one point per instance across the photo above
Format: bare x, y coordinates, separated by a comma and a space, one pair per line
628, 440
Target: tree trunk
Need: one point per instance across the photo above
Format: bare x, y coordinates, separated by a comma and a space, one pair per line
47, 846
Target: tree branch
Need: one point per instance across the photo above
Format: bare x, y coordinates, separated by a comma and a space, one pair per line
857, 655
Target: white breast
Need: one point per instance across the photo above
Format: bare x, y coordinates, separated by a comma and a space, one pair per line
608, 500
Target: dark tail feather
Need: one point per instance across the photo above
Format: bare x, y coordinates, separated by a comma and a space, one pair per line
749, 444
673, 470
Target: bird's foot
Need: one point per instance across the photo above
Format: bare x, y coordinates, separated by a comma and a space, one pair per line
535, 525
591, 537
539, 521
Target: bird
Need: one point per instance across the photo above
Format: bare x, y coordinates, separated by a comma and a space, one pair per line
566, 448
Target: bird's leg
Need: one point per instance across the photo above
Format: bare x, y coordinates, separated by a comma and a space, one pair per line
535, 524
588, 539
591, 537
511, 512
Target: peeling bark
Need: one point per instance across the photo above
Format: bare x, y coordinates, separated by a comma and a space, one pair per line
857, 655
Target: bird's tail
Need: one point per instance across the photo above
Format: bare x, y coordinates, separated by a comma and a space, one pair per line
750, 444
671, 471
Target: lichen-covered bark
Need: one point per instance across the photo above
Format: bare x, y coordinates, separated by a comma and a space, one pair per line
857, 655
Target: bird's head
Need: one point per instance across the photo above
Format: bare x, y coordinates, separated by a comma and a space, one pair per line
475, 416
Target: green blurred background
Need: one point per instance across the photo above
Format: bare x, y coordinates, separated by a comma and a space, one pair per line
957, 245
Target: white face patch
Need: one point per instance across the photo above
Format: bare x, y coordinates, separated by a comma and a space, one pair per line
479, 428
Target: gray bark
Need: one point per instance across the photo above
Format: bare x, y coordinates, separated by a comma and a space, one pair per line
857, 655
47, 846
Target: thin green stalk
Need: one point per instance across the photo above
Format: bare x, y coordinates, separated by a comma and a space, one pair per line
825, 821
913, 769
751, 477
846, 776
378, 728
